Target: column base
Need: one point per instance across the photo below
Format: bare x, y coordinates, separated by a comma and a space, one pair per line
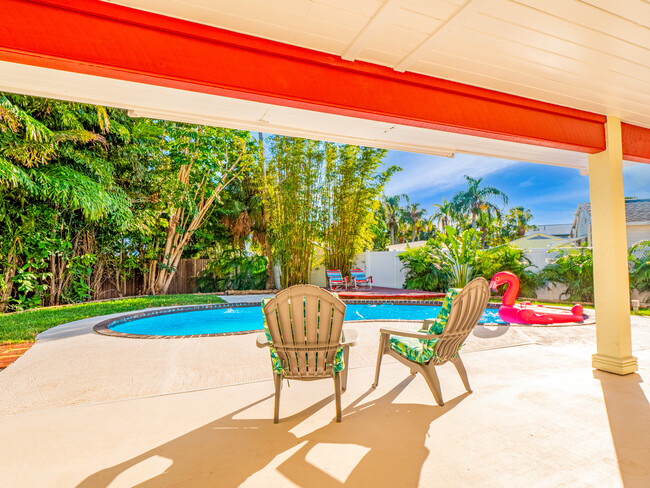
615, 365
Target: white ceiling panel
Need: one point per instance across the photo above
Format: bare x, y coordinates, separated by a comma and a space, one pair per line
592, 55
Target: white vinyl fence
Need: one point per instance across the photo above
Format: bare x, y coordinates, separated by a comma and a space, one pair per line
384, 267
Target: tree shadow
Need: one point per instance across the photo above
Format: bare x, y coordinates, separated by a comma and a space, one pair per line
628, 413
388, 438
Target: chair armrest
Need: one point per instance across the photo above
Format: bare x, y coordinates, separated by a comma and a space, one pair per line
262, 341
407, 333
349, 337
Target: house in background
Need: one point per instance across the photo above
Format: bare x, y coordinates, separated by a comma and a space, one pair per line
544, 237
555, 230
637, 218
538, 240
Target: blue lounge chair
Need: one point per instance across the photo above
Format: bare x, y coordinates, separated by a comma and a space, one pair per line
360, 279
334, 278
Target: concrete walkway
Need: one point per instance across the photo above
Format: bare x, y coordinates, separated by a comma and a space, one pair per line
92, 411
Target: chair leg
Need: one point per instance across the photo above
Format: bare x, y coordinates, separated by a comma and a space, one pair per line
277, 380
413, 372
431, 377
344, 373
460, 367
382, 345
337, 395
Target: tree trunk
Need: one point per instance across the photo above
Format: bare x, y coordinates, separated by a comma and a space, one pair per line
8, 281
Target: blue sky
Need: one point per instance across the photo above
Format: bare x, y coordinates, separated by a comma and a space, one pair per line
552, 193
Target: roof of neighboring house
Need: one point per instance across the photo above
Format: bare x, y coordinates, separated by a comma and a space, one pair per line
552, 229
538, 236
635, 210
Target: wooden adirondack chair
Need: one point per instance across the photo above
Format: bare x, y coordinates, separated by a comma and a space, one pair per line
440, 339
304, 331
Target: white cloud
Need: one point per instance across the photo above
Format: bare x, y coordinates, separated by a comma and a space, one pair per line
438, 174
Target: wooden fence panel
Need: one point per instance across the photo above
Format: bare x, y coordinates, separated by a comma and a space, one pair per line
183, 282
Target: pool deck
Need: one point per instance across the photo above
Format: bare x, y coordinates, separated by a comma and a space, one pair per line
87, 410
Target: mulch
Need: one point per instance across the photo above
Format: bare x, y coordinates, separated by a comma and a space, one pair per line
10, 352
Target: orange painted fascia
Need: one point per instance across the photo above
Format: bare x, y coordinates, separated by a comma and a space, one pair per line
102, 39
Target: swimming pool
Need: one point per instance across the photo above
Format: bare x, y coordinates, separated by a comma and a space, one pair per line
239, 319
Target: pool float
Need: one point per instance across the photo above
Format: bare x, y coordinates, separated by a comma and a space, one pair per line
525, 312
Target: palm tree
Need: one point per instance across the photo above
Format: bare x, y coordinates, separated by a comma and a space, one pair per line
445, 213
427, 227
518, 220
393, 212
413, 212
476, 199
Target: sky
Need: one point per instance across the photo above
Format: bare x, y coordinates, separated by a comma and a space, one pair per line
552, 193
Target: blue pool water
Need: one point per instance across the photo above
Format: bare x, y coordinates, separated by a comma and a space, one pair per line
236, 319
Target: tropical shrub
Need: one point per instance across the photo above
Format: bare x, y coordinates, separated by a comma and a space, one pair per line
233, 270
639, 259
457, 252
423, 272
573, 268
508, 258
447, 260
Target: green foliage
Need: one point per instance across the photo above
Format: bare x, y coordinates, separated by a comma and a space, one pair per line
639, 259
352, 184
293, 186
423, 271
573, 268
448, 260
232, 270
321, 193
508, 258
476, 199
456, 253
453, 258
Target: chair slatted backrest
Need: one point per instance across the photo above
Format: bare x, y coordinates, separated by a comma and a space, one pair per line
358, 274
305, 324
334, 275
466, 310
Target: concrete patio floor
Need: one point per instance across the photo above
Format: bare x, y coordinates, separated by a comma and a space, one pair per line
80, 409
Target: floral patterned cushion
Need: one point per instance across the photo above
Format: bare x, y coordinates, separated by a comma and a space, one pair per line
422, 350
414, 349
276, 364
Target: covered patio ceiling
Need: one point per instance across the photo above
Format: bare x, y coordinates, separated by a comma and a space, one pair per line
364, 72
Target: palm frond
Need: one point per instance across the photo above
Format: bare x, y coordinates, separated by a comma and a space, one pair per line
13, 176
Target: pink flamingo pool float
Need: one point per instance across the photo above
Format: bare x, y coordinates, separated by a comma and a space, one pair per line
525, 312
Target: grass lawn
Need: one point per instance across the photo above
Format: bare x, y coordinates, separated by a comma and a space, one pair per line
24, 326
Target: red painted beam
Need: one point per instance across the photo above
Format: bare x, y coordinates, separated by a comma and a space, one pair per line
92, 37
636, 143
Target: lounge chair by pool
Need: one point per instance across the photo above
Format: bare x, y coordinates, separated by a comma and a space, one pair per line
360, 279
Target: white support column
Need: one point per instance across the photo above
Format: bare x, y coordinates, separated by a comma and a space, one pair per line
611, 278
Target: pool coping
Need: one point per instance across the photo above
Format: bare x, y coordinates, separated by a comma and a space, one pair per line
103, 327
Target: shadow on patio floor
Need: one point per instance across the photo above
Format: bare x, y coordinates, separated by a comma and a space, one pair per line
628, 413
379, 443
